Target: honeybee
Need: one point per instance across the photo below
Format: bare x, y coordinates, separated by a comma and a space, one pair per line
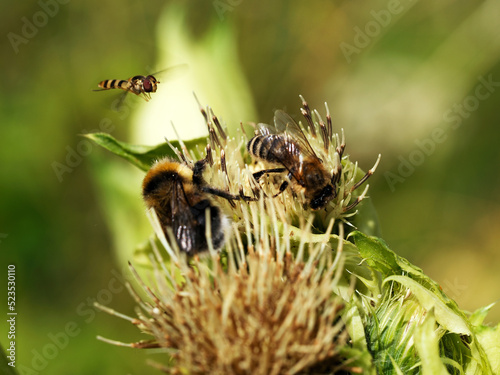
181, 199
290, 148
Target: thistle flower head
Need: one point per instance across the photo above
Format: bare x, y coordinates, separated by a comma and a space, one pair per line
264, 312
272, 301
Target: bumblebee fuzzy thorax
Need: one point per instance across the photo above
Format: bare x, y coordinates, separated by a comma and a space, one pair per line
159, 181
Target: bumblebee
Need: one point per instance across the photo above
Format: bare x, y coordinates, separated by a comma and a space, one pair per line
181, 200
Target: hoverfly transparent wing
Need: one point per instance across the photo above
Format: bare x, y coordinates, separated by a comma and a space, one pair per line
118, 102
284, 124
172, 70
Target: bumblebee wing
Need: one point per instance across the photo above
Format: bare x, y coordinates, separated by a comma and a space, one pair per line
184, 223
284, 124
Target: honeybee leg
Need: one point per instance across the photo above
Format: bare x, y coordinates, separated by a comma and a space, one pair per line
258, 175
283, 187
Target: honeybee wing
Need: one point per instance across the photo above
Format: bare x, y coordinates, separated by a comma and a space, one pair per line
284, 124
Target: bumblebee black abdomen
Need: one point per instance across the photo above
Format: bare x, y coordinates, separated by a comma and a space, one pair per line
216, 222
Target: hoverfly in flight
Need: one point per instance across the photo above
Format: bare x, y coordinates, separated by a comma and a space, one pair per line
139, 85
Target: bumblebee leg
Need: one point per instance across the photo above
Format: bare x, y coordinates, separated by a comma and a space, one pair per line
198, 169
226, 195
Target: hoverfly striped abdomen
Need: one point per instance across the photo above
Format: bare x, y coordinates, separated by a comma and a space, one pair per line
109, 84
138, 85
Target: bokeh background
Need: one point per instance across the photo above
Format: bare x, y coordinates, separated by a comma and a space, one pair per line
418, 81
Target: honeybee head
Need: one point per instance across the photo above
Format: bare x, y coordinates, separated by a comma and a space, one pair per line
322, 197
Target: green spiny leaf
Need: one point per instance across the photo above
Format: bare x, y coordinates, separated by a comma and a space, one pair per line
141, 156
376, 253
489, 338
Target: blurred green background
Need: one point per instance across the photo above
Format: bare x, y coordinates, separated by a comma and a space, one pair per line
418, 82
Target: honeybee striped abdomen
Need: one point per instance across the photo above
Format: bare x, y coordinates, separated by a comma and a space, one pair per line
272, 148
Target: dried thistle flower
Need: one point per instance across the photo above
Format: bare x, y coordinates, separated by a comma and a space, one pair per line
267, 313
